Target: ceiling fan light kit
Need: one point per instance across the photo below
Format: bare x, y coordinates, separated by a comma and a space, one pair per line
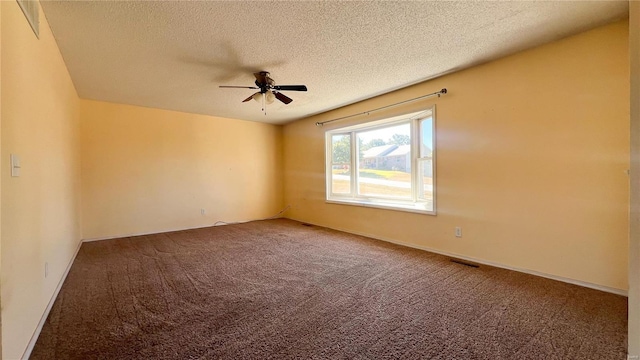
269, 91
268, 97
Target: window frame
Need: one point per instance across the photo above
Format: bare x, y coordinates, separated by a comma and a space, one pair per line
416, 202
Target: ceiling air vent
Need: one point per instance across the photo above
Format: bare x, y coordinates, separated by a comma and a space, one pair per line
31, 12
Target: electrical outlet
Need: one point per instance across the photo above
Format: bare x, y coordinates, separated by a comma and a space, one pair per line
46, 269
203, 212
458, 231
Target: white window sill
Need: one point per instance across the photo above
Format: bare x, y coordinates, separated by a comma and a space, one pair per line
419, 208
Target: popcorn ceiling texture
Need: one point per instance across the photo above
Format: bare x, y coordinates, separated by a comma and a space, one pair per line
174, 55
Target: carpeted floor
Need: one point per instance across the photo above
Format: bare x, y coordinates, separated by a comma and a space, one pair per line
278, 289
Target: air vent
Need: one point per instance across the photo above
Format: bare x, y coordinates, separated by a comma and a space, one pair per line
31, 11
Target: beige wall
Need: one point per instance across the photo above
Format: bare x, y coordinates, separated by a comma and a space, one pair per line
532, 156
0, 181
634, 238
149, 170
40, 209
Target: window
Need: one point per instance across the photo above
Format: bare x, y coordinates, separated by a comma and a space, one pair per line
387, 163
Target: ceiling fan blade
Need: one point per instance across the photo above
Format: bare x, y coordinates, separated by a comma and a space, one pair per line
250, 97
238, 87
290, 87
285, 99
261, 77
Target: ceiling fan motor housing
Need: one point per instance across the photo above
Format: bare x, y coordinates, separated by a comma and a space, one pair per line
268, 81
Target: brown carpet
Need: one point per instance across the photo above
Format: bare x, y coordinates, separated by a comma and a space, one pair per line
278, 289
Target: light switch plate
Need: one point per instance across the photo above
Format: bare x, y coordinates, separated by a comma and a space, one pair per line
15, 165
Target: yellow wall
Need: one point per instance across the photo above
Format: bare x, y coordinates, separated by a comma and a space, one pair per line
634, 234
40, 209
0, 181
149, 170
532, 153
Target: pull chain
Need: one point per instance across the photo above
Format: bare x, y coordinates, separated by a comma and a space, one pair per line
264, 104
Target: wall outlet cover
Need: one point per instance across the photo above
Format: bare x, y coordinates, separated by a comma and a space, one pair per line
15, 165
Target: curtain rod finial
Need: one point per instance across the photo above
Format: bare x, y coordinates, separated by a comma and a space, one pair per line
319, 124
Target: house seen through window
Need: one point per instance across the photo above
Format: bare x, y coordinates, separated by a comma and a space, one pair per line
387, 163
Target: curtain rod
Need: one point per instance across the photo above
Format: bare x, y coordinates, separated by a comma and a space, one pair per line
438, 93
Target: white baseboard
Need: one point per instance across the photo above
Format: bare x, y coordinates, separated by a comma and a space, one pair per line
217, 223
150, 233
36, 333
486, 262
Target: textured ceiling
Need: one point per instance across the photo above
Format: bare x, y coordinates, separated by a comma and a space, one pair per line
174, 55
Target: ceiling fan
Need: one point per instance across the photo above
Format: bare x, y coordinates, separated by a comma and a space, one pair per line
269, 91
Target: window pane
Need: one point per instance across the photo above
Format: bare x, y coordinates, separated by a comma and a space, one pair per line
426, 181
341, 179
426, 137
425, 191
341, 149
384, 166
341, 164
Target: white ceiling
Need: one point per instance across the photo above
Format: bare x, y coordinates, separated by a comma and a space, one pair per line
174, 55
